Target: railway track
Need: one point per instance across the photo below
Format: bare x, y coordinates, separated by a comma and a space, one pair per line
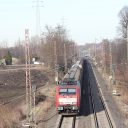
67, 122
101, 116
21, 97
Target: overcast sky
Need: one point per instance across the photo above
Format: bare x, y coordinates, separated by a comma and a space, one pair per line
85, 20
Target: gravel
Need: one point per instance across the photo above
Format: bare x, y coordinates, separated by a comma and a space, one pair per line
115, 112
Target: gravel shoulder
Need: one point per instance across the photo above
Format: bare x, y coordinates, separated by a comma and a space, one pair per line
45, 111
109, 99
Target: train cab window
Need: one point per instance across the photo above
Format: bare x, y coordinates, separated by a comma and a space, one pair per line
67, 91
71, 91
63, 91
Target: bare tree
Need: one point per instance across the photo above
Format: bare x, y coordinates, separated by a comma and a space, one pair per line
3, 49
123, 15
57, 37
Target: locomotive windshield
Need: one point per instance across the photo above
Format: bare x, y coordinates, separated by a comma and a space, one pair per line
71, 91
67, 91
63, 91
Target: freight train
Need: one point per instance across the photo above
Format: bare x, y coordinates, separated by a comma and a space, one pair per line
68, 92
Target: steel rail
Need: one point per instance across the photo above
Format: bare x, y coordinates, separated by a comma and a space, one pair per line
74, 121
61, 121
106, 112
5, 102
103, 104
93, 107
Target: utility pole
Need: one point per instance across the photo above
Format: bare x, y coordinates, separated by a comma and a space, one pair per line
34, 89
65, 57
102, 53
74, 52
127, 43
38, 18
37, 6
56, 65
95, 49
104, 57
28, 78
112, 70
110, 56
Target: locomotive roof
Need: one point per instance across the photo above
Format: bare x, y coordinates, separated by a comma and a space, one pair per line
71, 82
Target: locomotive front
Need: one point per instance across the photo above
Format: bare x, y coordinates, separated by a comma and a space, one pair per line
68, 98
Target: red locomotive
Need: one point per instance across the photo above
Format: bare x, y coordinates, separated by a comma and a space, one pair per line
68, 92
68, 97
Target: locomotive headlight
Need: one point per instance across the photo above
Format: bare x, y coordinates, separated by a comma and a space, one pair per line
61, 102
74, 108
60, 108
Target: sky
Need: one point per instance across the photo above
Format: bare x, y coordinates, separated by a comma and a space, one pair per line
85, 20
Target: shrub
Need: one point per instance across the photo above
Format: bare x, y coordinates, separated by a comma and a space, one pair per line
8, 59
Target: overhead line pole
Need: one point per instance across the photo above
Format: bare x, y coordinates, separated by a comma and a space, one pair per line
110, 48
37, 6
127, 43
28, 78
38, 19
65, 57
112, 70
56, 65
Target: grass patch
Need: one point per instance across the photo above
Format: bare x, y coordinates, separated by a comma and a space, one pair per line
8, 118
